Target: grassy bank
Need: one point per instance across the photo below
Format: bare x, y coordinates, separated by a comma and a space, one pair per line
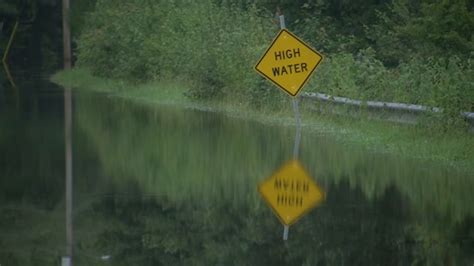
453, 146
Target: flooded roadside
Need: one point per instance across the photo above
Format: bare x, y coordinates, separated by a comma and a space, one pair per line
170, 186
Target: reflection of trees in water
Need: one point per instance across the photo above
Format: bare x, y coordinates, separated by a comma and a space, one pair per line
30, 161
157, 232
31, 189
213, 164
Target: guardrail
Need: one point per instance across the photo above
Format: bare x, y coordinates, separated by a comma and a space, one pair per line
412, 108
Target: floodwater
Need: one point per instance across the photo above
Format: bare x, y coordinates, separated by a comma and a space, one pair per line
167, 186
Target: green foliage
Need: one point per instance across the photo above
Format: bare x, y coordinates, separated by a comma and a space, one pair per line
78, 14
425, 28
401, 51
444, 83
211, 45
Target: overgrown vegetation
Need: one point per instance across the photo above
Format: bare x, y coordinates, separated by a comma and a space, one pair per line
417, 52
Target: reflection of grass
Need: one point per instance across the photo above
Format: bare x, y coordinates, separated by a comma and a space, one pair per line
433, 170
201, 157
178, 155
453, 147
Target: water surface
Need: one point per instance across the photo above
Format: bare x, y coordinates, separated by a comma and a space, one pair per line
167, 186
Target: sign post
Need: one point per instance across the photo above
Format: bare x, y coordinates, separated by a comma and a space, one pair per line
296, 146
288, 63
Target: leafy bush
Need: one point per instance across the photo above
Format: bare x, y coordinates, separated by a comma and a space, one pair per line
212, 45
445, 83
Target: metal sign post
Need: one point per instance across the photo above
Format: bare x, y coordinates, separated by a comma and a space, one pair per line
288, 63
296, 146
296, 108
286, 228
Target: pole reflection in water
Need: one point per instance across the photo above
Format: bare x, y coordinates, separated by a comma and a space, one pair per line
68, 136
69, 180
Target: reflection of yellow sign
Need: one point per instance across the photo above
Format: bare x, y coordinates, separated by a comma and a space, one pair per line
288, 62
291, 192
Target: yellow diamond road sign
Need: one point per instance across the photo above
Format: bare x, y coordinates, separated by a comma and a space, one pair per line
291, 192
288, 62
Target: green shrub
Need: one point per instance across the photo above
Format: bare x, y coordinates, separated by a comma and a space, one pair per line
361, 77
214, 46
447, 83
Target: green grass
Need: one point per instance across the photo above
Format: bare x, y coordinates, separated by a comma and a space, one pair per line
82, 79
157, 92
454, 147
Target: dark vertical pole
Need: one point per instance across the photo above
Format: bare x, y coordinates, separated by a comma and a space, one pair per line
68, 137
